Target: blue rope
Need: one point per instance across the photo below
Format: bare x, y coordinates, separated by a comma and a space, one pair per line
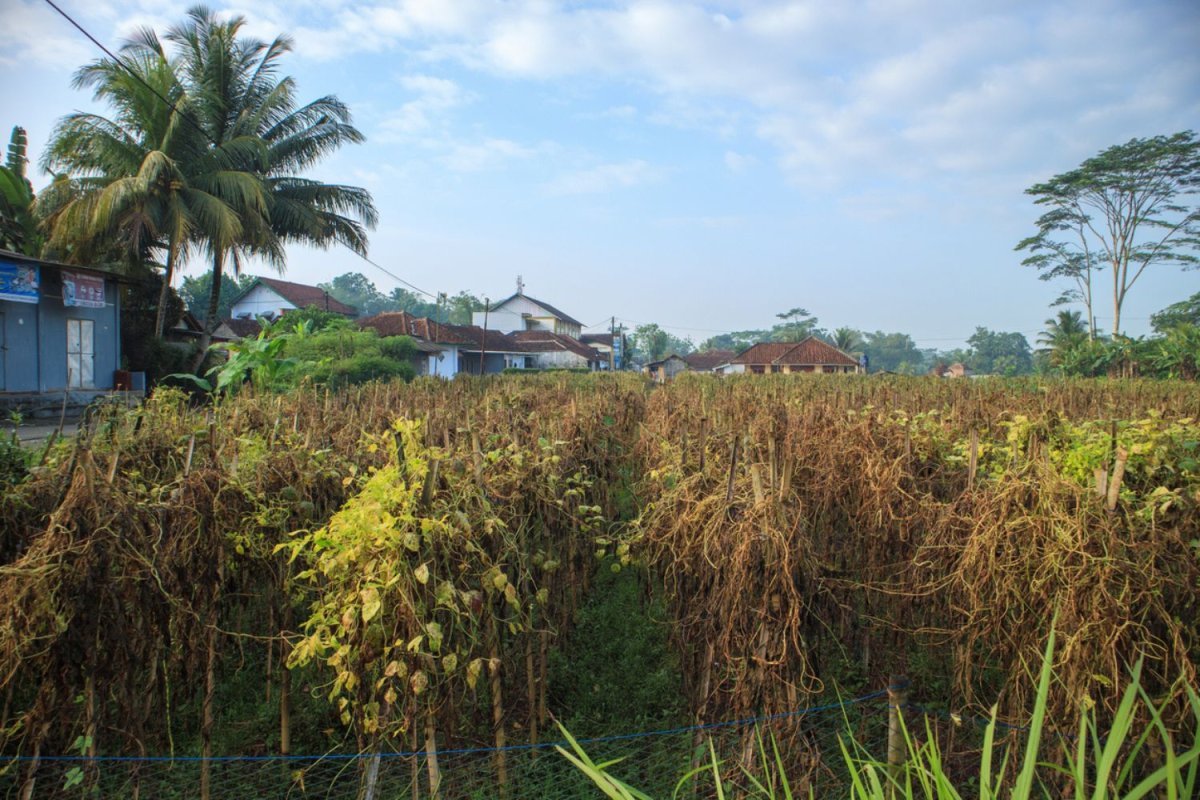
467, 750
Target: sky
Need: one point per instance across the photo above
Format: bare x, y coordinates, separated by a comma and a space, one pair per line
704, 166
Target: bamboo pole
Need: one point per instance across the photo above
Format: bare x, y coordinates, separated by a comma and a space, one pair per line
897, 693
431, 757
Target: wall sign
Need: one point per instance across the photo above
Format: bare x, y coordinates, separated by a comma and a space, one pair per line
84, 291
19, 282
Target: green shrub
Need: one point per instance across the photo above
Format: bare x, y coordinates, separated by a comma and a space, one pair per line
358, 369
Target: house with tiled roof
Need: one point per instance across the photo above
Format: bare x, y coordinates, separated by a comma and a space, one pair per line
520, 312
811, 355
459, 348
272, 298
557, 351
603, 344
708, 360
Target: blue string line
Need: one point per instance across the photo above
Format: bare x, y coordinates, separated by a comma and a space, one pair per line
466, 750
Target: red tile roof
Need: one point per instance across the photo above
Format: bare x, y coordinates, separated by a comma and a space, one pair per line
810, 352
709, 359
302, 296
547, 342
401, 323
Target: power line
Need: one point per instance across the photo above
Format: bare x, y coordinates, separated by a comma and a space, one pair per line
117, 59
394, 276
132, 72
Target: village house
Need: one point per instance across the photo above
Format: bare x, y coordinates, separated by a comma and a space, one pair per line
457, 348
60, 333
602, 343
955, 370
708, 360
665, 369
557, 351
808, 356
272, 298
523, 313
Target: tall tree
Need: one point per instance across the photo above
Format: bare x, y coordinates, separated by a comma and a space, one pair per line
1185, 312
651, 343
18, 228
1126, 209
195, 291
894, 352
797, 324
355, 289
999, 353
242, 102
144, 179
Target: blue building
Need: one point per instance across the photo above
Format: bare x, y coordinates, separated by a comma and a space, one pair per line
60, 332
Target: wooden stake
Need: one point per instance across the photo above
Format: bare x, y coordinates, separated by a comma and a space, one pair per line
733, 459
897, 751
1114, 485
973, 458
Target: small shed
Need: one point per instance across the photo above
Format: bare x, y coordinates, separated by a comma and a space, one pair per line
60, 332
666, 369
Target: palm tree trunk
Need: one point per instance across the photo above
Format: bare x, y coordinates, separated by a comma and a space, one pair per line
165, 292
214, 303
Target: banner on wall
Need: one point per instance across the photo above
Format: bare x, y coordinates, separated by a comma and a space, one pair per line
19, 282
84, 291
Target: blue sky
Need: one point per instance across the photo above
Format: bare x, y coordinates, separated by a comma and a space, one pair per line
704, 166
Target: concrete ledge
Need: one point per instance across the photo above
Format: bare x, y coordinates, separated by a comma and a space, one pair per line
44, 405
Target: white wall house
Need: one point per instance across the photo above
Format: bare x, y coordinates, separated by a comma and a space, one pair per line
523, 313
270, 297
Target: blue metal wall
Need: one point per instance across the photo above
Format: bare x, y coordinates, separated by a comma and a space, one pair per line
36, 338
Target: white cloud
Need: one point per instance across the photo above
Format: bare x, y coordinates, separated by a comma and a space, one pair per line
739, 162
435, 97
603, 178
486, 154
34, 32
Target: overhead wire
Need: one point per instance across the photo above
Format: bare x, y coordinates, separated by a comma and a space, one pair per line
191, 121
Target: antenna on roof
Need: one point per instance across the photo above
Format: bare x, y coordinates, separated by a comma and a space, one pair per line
520, 285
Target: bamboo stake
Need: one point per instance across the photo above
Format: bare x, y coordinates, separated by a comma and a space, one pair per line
733, 459
1114, 485
897, 693
431, 758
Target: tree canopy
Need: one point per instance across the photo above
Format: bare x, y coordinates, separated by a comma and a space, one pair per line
1124, 210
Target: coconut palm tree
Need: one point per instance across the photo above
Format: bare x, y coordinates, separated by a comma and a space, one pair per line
1063, 333
848, 340
239, 96
146, 178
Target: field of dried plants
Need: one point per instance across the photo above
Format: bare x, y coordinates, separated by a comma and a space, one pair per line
395, 566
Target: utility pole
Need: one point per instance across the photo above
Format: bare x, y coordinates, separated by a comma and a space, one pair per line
483, 336
612, 346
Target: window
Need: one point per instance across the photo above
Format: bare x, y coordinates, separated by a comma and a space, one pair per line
775, 368
81, 353
758, 369
829, 369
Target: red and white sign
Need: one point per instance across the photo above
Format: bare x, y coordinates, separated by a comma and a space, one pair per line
84, 291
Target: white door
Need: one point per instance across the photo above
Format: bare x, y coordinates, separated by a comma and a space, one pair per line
81, 353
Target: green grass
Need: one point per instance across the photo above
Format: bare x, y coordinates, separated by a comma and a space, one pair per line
1137, 757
